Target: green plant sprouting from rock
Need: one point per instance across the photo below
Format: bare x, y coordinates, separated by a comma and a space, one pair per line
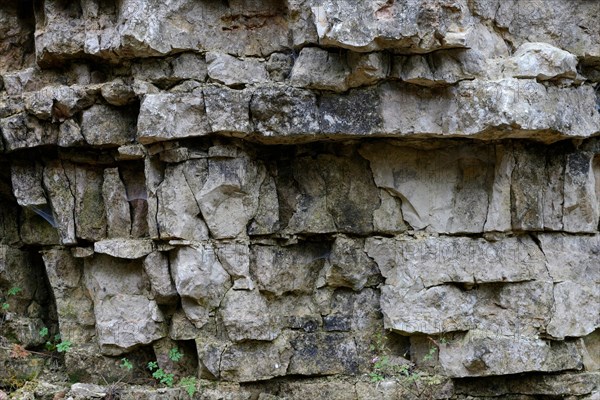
404, 372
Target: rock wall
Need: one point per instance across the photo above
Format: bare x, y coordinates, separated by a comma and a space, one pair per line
347, 200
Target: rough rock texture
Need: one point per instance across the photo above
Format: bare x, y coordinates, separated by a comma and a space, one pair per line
300, 198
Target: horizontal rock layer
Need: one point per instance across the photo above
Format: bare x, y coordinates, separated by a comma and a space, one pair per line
363, 200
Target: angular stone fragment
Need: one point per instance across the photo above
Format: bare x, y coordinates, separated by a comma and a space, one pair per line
125, 317
572, 258
59, 178
24, 131
117, 93
483, 353
323, 354
228, 198
252, 361
581, 207
434, 261
279, 270
125, 321
118, 217
284, 112
26, 179
444, 190
200, 280
105, 125
189, 66
231, 71
348, 265
569, 296
156, 266
227, 110
177, 214
130, 249
541, 61
235, 258
367, 69
317, 68
246, 316
89, 212
166, 116
430, 310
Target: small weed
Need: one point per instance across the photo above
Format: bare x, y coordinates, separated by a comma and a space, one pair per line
63, 346
175, 355
160, 375
13, 291
189, 384
43, 332
126, 364
430, 354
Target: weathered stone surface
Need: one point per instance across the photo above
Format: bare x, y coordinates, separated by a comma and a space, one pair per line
124, 248
433, 261
177, 212
444, 190
118, 217
369, 27
482, 353
200, 280
316, 68
227, 110
280, 270
58, 178
248, 361
576, 384
125, 317
230, 187
105, 125
542, 62
165, 116
348, 265
284, 111
231, 71
246, 316
156, 266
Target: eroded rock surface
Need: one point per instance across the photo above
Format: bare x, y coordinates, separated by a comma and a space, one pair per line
362, 200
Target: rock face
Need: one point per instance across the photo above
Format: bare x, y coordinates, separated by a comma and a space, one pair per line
363, 200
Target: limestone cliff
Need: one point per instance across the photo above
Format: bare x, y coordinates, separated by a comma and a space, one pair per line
333, 199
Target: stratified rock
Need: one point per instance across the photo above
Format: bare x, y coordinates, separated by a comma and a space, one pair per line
483, 353
124, 248
410, 26
429, 262
445, 190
